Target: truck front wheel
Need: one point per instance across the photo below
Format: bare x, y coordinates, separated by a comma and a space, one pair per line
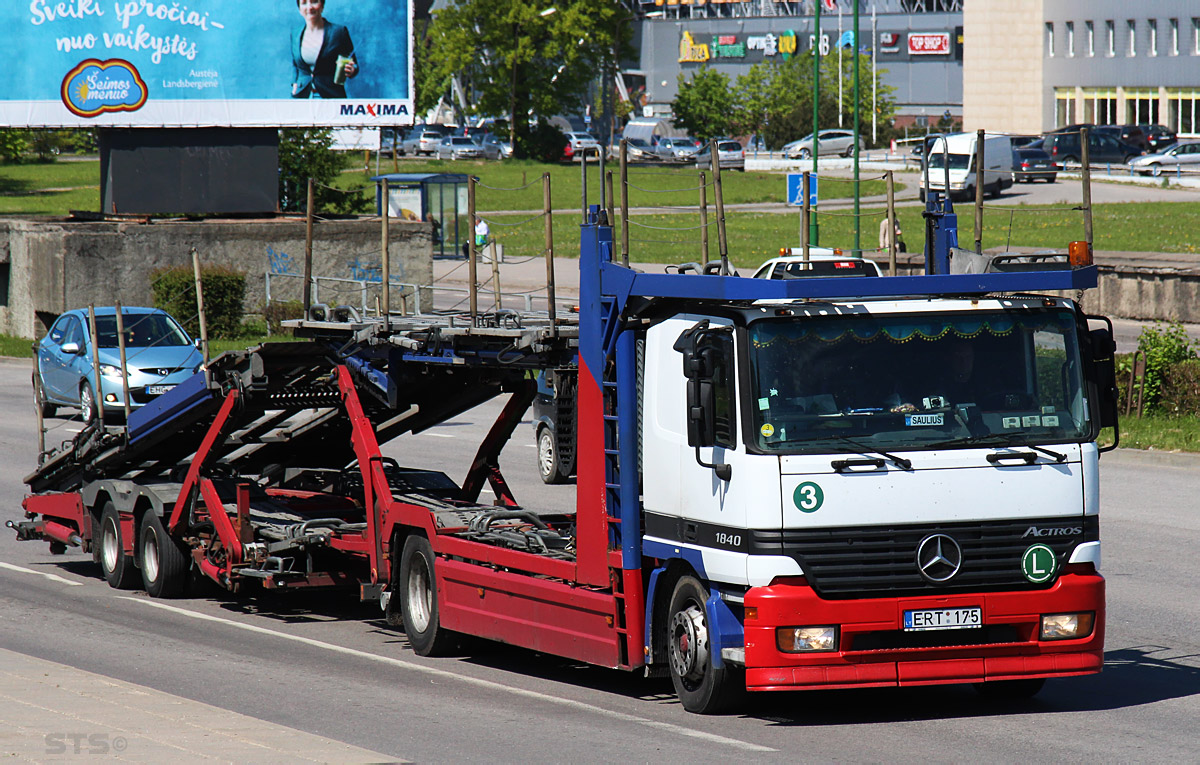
117, 566
418, 589
164, 563
701, 687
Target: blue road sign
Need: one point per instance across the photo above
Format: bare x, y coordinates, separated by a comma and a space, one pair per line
794, 181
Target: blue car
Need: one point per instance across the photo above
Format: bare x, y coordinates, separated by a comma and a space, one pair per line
158, 352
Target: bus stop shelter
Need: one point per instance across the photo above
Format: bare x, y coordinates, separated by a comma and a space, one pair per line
439, 198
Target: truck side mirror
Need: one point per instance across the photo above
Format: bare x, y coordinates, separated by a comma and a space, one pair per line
1104, 350
699, 347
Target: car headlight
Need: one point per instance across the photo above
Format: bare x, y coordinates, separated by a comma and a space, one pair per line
1067, 626
956, 185
806, 639
109, 370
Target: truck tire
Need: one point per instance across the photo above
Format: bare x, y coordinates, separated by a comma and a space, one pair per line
419, 599
549, 465
1010, 690
165, 565
117, 566
701, 687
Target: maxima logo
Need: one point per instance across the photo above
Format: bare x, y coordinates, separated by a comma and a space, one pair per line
373, 110
1034, 531
94, 87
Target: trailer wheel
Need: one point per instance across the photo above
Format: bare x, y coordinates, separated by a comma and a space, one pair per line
117, 566
701, 687
1010, 690
418, 588
549, 465
165, 564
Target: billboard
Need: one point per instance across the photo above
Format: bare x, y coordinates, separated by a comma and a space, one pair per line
199, 63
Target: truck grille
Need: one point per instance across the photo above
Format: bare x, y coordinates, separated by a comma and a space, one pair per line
874, 561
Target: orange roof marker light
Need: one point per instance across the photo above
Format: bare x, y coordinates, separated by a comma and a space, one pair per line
1079, 254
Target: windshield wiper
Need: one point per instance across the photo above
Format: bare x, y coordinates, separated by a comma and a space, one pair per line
994, 439
899, 462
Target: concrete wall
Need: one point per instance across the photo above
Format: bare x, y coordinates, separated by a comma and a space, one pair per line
55, 266
1002, 66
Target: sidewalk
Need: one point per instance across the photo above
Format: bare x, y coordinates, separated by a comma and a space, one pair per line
51, 712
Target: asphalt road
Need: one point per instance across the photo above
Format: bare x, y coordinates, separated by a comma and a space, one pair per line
330, 666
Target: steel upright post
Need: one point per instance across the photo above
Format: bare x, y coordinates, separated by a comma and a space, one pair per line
980, 182
124, 365
624, 203
384, 254
549, 215
98, 397
472, 274
703, 218
308, 248
717, 192
200, 312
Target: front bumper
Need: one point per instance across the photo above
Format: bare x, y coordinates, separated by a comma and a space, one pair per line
874, 651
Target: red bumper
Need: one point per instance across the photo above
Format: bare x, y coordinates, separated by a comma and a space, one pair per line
875, 652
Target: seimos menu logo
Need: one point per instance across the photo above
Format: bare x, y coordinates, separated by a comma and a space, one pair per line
94, 87
373, 110
1066, 531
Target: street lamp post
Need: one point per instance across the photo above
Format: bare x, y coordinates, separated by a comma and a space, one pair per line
813, 227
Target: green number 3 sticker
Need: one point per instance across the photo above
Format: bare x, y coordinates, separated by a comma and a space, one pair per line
808, 497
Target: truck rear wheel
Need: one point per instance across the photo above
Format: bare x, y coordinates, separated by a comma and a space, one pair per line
419, 607
701, 687
117, 566
165, 564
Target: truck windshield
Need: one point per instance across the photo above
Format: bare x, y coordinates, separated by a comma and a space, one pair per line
956, 161
898, 382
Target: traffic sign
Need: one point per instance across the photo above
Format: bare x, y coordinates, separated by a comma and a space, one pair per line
794, 181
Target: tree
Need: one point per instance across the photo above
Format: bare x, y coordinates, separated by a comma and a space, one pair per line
306, 153
13, 144
520, 58
704, 106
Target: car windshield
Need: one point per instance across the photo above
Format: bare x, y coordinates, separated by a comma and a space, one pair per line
956, 162
639, 142
896, 382
462, 142
729, 146
141, 331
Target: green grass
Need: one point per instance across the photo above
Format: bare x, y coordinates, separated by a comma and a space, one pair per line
17, 347
1158, 432
23, 187
517, 184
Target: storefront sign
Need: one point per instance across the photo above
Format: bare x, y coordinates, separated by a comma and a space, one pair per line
691, 52
787, 44
889, 42
727, 46
929, 44
768, 44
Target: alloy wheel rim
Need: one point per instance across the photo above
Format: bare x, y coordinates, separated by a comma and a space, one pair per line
420, 596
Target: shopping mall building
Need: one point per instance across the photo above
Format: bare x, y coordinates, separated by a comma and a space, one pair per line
1033, 65
1021, 66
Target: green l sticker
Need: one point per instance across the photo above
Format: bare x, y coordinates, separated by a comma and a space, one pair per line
1039, 564
808, 497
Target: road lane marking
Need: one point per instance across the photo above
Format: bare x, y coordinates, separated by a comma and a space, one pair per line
488, 684
52, 577
438, 435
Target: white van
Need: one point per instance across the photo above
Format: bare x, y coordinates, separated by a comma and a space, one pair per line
957, 152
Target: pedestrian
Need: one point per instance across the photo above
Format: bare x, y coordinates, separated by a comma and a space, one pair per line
883, 236
482, 235
435, 228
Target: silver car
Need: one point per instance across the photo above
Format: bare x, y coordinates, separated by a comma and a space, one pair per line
730, 156
459, 147
675, 149
831, 142
494, 148
582, 143
1184, 156
421, 142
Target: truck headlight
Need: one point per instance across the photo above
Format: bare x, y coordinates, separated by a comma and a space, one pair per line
1067, 626
806, 639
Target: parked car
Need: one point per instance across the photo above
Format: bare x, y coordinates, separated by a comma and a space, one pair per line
637, 150
1185, 156
494, 148
1031, 165
730, 156
1158, 137
1065, 147
822, 262
459, 147
159, 355
675, 149
1131, 134
829, 142
420, 142
582, 143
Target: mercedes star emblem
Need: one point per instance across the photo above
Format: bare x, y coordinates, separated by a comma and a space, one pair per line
939, 558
